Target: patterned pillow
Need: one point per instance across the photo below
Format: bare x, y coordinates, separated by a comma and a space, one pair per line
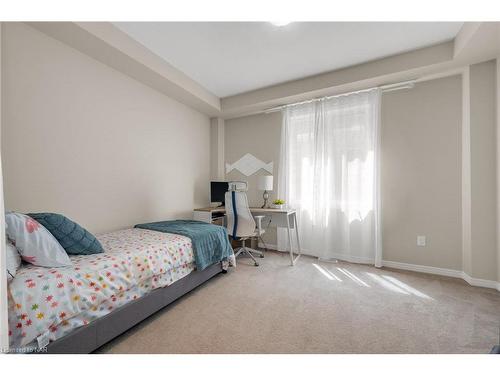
72, 237
35, 243
13, 260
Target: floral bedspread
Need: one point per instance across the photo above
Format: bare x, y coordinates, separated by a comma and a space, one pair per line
55, 301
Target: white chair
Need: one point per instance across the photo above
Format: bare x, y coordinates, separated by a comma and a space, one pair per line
241, 224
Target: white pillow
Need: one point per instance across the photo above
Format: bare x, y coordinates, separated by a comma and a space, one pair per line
13, 260
35, 243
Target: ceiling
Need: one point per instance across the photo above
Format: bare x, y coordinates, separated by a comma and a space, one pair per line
229, 58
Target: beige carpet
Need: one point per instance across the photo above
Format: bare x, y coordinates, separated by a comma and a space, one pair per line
319, 307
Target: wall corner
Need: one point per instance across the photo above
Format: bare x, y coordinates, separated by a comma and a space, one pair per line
217, 127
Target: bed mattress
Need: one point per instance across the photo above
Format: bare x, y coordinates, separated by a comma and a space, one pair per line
52, 302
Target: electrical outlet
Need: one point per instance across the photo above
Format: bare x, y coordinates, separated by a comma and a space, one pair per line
421, 240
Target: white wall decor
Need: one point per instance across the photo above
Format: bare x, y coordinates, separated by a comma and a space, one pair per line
249, 164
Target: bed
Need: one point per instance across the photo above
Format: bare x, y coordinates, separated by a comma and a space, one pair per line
77, 309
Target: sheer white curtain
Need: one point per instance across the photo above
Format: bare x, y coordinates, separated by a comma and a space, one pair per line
329, 172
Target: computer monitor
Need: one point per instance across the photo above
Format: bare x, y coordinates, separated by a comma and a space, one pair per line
218, 191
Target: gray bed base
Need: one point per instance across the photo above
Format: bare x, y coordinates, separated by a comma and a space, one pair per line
88, 338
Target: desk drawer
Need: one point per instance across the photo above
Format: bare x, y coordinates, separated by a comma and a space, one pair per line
277, 220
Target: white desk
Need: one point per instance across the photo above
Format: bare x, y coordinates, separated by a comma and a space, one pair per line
286, 218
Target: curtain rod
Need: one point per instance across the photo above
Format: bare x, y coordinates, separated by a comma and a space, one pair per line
384, 88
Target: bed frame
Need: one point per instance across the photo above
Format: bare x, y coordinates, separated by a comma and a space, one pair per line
88, 338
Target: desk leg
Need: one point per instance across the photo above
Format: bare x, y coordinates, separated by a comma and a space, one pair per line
292, 259
297, 235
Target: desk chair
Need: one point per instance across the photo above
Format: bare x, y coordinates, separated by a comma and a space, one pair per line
241, 224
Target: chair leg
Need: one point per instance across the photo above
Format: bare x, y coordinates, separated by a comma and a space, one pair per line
262, 240
246, 250
259, 253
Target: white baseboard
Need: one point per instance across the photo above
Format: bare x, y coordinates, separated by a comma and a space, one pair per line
269, 246
481, 282
424, 269
417, 268
345, 258
443, 272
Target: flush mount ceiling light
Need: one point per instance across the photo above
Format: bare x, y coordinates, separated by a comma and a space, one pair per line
280, 23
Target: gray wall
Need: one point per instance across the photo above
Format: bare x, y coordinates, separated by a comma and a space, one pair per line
421, 173
258, 135
85, 140
483, 170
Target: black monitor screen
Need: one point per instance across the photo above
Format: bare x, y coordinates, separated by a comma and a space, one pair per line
218, 191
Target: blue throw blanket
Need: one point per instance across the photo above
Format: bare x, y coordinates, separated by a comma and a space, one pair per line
210, 242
